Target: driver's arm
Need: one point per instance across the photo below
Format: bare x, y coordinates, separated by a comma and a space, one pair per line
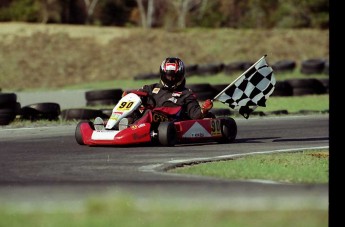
194, 110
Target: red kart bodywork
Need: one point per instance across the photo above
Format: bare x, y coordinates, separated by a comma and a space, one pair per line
167, 133
132, 135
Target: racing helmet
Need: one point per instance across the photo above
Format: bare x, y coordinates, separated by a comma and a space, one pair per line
172, 71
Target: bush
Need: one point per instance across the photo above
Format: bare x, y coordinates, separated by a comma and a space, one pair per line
24, 10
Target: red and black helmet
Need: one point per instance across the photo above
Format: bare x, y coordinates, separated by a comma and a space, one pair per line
172, 72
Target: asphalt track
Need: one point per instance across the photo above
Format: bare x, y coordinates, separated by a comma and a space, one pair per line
45, 166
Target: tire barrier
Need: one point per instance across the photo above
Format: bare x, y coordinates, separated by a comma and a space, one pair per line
307, 87
313, 66
283, 88
325, 83
9, 108
107, 112
202, 91
102, 102
235, 67
284, 66
209, 69
41, 111
103, 97
326, 69
191, 69
81, 114
219, 87
309, 66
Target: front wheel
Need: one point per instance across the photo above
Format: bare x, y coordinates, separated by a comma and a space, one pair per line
78, 133
167, 135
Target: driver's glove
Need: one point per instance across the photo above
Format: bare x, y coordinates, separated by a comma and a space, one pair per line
206, 106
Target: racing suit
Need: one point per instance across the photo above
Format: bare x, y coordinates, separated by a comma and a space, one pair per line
180, 101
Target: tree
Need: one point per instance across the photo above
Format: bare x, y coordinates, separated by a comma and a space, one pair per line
182, 8
146, 18
90, 7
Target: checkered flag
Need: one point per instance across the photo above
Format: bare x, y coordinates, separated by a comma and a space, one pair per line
249, 90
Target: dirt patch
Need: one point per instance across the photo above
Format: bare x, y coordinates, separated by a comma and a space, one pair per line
321, 154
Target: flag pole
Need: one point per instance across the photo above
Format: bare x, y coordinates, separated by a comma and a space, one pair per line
227, 87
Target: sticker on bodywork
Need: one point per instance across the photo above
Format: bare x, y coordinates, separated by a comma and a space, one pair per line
196, 131
216, 129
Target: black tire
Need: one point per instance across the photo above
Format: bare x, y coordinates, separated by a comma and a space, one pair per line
306, 86
284, 66
80, 114
218, 88
78, 135
107, 112
38, 111
203, 91
102, 102
6, 98
233, 67
11, 105
192, 69
115, 94
209, 69
229, 130
282, 88
325, 83
7, 115
202, 87
313, 66
167, 135
326, 69
236, 67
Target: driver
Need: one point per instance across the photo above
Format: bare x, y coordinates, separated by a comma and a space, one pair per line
171, 96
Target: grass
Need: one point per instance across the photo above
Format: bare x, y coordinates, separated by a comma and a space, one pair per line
310, 166
125, 214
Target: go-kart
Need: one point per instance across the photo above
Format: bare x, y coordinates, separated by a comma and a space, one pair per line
132, 123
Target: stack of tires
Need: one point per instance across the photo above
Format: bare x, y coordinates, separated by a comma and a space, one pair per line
94, 98
310, 86
103, 97
237, 66
9, 108
314, 66
285, 65
81, 114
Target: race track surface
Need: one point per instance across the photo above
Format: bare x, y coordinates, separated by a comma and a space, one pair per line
46, 165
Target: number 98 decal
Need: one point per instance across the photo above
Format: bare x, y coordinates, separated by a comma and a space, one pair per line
216, 127
125, 106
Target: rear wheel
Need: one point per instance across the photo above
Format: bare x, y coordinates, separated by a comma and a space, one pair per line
229, 130
167, 135
78, 134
